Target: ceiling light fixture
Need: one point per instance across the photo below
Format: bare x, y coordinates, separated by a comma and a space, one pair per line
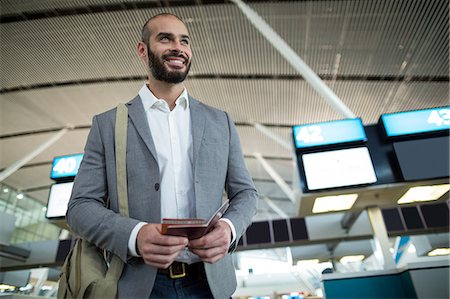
424, 193
19, 196
308, 262
5, 287
439, 251
334, 203
351, 259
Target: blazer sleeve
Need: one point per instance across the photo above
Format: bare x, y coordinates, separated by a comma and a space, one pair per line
239, 187
87, 215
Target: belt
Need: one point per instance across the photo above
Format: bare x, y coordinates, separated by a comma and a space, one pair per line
180, 270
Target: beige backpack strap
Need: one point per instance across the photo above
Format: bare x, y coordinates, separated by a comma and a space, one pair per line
116, 265
121, 155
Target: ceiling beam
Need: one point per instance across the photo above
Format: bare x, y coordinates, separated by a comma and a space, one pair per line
275, 137
275, 207
272, 77
276, 177
294, 60
41, 148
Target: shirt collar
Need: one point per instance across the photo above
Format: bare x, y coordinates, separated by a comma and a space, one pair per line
149, 99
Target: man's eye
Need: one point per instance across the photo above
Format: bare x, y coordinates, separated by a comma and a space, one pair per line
164, 38
185, 41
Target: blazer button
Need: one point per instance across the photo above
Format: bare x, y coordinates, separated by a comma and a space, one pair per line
157, 186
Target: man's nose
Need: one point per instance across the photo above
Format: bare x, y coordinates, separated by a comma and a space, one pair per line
176, 46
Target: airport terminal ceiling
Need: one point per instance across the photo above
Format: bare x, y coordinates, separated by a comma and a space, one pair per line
62, 62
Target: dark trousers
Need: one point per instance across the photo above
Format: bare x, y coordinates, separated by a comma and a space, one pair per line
193, 285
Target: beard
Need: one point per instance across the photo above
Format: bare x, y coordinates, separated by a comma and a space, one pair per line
160, 72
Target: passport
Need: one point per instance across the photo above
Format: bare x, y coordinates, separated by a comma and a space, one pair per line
192, 228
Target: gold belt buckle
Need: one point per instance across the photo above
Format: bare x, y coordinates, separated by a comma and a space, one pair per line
178, 272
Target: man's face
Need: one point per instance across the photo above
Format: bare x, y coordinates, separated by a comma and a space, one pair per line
169, 51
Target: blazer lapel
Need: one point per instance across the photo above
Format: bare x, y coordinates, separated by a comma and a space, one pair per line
137, 116
198, 125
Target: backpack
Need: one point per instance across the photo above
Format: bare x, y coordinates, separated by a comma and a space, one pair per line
87, 272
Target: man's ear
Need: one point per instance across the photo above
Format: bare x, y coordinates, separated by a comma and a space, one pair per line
141, 50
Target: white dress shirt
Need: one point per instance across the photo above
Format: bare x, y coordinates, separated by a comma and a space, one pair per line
172, 136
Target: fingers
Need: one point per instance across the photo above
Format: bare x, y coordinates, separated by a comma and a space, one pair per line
214, 245
161, 256
156, 249
219, 236
211, 255
161, 251
152, 233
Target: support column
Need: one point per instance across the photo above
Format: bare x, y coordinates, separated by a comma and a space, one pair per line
380, 238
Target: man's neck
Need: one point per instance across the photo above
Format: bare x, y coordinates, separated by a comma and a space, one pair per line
169, 92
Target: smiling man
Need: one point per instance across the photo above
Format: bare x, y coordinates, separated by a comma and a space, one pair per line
181, 154
169, 53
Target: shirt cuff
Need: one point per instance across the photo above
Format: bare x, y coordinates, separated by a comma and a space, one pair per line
132, 239
233, 230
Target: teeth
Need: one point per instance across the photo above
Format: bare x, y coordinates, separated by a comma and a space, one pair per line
176, 61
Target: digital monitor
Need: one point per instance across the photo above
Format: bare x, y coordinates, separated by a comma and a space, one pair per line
258, 233
327, 133
412, 218
299, 230
436, 215
65, 166
423, 159
58, 199
280, 230
416, 122
338, 168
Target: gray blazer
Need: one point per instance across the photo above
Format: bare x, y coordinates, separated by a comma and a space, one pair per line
218, 164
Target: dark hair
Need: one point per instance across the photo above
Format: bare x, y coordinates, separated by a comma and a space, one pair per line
145, 32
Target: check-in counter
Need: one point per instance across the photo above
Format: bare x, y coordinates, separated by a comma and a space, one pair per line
416, 280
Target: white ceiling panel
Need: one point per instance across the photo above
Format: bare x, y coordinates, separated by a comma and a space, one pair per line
277, 102
14, 149
60, 106
285, 168
31, 178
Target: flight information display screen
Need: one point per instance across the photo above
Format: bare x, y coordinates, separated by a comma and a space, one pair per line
65, 166
327, 133
416, 122
58, 199
338, 168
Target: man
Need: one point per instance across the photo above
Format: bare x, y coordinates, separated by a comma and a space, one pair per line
180, 156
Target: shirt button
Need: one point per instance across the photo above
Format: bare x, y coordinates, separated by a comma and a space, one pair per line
157, 186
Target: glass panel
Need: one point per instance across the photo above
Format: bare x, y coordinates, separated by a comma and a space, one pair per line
31, 224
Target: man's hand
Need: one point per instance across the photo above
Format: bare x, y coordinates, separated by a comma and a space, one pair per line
214, 245
157, 249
